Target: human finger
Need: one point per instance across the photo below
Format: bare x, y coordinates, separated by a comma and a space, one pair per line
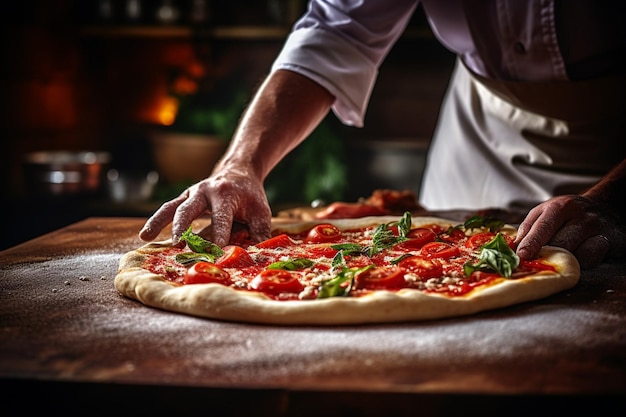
537, 231
260, 225
186, 213
222, 218
161, 218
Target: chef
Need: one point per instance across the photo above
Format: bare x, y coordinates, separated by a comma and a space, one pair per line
532, 120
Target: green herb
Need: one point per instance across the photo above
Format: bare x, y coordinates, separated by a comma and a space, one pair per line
291, 264
404, 224
188, 258
476, 222
348, 248
200, 245
495, 255
345, 249
384, 238
335, 287
397, 260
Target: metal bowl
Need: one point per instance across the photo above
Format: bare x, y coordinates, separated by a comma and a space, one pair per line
64, 172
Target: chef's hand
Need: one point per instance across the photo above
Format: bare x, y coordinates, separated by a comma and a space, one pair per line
591, 232
230, 196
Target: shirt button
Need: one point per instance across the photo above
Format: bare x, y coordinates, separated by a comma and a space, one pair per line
519, 48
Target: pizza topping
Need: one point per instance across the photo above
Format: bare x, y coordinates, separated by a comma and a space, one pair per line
276, 281
279, 241
418, 237
341, 284
206, 272
496, 255
421, 266
200, 245
381, 278
440, 250
189, 258
325, 261
384, 236
480, 222
292, 264
235, 257
323, 233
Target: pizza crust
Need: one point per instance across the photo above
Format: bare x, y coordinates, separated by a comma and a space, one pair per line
216, 301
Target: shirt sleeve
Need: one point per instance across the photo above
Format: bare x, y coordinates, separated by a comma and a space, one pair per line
340, 44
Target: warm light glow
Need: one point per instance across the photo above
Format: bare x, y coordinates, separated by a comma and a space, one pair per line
167, 111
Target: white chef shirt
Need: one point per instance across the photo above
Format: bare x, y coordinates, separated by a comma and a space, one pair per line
341, 43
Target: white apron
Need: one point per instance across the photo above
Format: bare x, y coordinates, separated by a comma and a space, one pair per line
490, 151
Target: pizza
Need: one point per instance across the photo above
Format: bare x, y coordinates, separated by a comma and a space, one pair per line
376, 269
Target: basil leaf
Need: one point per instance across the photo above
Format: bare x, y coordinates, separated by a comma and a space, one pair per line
188, 258
339, 260
495, 255
404, 224
397, 260
383, 238
200, 245
348, 248
476, 222
334, 287
291, 264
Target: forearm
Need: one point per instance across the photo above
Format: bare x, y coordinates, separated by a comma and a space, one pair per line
285, 110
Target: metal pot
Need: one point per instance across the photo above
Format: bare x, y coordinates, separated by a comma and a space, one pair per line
64, 172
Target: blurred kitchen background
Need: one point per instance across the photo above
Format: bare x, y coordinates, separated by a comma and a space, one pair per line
108, 107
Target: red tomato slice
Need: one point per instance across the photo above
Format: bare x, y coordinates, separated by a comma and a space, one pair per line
278, 241
452, 236
440, 250
234, 257
323, 233
423, 267
206, 272
479, 239
276, 281
436, 228
381, 278
417, 238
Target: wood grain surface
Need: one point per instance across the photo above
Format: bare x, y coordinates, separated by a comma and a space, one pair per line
67, 334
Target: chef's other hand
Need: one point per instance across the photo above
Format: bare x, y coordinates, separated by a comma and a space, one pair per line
589, 231
229, 196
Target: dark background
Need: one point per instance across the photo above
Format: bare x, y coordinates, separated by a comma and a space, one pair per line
73, 78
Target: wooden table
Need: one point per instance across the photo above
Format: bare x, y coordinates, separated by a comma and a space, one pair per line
70, 342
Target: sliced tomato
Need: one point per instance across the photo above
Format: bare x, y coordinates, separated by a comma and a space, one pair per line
276, 281
206, 272
479, 239
323, 233
322, 251
441, 250
436, 228
422, 267
278, 241
381, 278
452, 236
234, 257
417, 238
